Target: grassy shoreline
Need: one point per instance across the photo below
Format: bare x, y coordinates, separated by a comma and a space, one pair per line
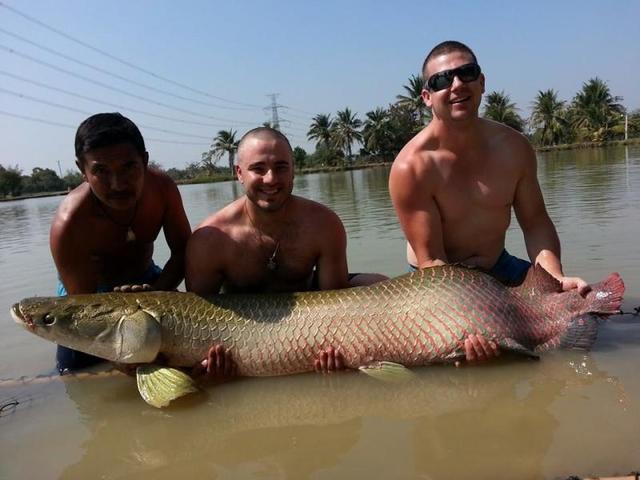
356, 165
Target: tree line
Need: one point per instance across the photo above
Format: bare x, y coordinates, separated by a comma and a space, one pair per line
13, 183
594, 114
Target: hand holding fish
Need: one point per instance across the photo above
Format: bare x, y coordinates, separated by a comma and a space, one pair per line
478, 349
145, 287
328, 361
569, 283
217, 366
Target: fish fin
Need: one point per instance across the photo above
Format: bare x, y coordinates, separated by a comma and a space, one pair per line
606, 296
387, 371
511, 345
158, 385
580, 334
538, 281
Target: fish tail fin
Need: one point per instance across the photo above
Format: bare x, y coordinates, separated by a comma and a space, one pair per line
580, 334
606, 296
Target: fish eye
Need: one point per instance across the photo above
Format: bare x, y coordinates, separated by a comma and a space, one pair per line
49, 319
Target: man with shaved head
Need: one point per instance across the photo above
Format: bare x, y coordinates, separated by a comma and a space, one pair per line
269, 240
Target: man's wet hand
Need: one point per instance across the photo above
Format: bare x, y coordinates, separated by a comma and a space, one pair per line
145, 287
329, 360
569, 283
217, 366
478, 349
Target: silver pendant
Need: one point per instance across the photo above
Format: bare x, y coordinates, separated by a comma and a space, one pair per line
131, 236
272, 264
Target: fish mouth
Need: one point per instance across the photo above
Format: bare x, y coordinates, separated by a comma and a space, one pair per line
21, 318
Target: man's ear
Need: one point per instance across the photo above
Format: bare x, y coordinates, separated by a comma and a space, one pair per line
426, 97
80, 165
482, 81
239, 173
145, 159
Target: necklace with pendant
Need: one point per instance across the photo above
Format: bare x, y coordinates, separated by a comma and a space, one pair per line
272, 264
130, 235
272, 261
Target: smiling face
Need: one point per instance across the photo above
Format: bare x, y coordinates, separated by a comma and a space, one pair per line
265, 169
115, 174
461, 100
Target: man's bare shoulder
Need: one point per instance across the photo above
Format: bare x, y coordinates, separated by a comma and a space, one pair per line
158, 183
75, 204
224, 219
502, 136
309, 211
417, 156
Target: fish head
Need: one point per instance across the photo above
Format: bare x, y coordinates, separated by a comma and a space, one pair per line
95, 324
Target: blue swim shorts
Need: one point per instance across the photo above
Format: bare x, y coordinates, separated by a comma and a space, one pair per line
508, 269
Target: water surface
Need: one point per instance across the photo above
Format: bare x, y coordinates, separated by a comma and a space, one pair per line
569, 413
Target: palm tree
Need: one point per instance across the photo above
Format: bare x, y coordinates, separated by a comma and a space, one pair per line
377, 133
345, 130
413, 99
594, 110
548, 117
224, 141
320, 130
498, 107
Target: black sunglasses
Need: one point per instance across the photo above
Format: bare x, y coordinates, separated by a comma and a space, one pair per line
441, 80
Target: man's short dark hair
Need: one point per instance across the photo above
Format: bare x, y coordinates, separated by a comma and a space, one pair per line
264, 132
106, 129
442, 49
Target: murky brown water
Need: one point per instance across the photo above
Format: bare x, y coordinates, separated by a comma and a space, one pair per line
569, 413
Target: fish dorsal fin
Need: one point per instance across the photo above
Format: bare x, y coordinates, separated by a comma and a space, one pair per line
538, 281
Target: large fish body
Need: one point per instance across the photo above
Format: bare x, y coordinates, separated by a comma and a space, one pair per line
416, 319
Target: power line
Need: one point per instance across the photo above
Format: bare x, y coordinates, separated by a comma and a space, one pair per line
115, 75
77, 110
34, 119
306, 118
66, 125
124, 62
115, 89
96, 100
294, 109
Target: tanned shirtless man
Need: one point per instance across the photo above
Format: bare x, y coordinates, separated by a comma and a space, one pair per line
103, 232
269, 240
454, 184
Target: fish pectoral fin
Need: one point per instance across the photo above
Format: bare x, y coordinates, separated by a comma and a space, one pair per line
387, 371
158, 385
511, 345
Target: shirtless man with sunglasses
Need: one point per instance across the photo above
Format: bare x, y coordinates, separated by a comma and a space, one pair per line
454, 184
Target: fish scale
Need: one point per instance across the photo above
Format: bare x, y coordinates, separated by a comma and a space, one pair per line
416, 319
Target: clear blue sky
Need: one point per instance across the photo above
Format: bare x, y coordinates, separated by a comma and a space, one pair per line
319, 56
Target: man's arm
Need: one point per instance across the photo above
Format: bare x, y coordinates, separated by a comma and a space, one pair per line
176, 231
540, 236
72, 257
412, 195
203, 262
332, 267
